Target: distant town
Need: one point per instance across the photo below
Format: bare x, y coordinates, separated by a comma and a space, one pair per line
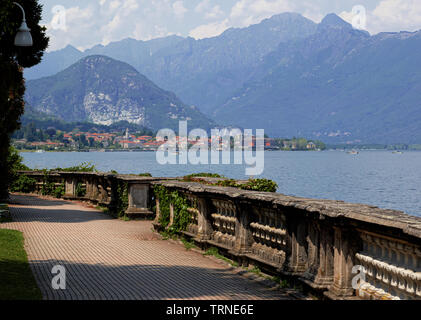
30, 138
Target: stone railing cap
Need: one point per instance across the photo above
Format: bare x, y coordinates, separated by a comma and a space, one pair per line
410, 225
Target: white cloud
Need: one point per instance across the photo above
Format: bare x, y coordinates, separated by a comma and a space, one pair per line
104, 21
202, 6
242, 14
391, 15
214, 13
246, 12
395, 15
179, 9
209, 30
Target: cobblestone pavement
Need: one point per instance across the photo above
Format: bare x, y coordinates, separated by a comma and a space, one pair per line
113, 259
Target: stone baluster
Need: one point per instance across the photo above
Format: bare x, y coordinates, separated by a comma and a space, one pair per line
157, 213
320, 249
171, 215
204, 219
346, 245
243, 232
296, 247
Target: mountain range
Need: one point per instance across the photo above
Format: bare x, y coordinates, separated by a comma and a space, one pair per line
287, 75
104, 91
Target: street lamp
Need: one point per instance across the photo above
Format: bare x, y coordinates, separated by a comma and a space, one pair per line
23, 37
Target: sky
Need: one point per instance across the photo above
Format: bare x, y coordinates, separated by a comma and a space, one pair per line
85, 23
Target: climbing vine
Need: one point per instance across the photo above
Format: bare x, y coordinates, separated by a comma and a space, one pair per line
182, 217
122, 199
80, 190
49, 187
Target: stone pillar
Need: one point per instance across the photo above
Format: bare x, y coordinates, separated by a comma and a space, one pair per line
243, 233
204, 230
158, 213
171, 215
112, 181
345, 248
297, 246
325, 273
103, 194
70, 187
320, 255
313, 256
139, 200
89, 187
94, 191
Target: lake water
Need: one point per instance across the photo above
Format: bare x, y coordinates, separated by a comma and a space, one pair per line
381, 178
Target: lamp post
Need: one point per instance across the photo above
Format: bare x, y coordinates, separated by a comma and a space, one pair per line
23, 37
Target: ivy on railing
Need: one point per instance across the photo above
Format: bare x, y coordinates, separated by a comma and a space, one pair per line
263, 185
190, 177
49, 187
182, 218
80, 190
122, 200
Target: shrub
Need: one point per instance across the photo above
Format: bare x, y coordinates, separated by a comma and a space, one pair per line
264, 185
83, 167
146, 174
202, 174
23, 184
59, 191
228, 183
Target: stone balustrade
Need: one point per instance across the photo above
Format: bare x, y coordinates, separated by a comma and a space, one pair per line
318, 242
392, 268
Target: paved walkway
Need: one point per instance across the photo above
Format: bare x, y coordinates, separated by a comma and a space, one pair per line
112, 259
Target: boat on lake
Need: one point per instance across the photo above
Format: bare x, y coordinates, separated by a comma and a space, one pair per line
353, 152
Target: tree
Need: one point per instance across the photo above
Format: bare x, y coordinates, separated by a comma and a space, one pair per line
12, 62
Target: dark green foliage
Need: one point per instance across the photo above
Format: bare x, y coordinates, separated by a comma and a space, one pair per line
80, 190
12, 59
146, 174
23, 184
263, 185
228, 183
122, 201
83, 167
15, 182
59, 191
182, 217
202, 174
161, 193
50, 187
